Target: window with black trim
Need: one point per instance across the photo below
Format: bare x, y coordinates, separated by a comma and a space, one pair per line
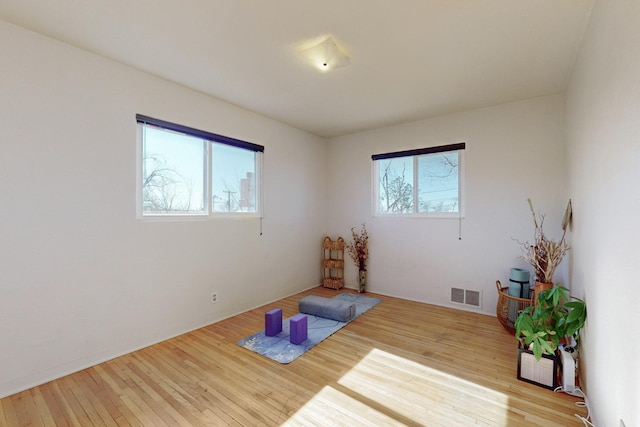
421, 182
188, 172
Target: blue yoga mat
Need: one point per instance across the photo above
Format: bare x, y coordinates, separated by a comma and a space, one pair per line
279, 348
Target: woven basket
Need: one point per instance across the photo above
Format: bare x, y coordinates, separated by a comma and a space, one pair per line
509, 307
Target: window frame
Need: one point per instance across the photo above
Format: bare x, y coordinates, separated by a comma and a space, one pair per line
415, 154
210, 138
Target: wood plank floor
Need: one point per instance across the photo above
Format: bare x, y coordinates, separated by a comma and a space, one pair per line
402, 363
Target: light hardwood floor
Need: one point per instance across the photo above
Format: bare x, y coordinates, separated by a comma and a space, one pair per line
401, 363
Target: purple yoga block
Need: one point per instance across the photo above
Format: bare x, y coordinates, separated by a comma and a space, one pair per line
273, 322
298, 328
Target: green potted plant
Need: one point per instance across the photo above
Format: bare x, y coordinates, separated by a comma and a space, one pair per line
554, 316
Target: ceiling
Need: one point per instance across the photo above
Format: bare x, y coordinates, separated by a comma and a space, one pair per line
410, 59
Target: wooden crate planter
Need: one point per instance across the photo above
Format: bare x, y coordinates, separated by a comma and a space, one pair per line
333, 263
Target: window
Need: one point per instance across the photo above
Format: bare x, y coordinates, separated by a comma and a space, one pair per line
188, 172
423, 182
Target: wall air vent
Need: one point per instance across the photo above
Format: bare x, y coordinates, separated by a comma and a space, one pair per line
457, 295
466, 297
472, 298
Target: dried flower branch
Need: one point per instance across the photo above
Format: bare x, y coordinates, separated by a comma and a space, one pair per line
545, 254
358, 249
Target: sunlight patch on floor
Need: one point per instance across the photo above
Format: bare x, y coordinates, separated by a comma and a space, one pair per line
331, 407
385, 389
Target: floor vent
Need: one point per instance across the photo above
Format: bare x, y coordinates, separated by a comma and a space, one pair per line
467, 297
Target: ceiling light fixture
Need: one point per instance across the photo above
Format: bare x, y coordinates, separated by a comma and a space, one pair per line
325, 55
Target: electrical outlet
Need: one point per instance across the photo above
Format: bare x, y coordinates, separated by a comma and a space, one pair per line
214, 297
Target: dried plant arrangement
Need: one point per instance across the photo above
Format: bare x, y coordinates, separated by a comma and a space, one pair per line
545, 254
358, 248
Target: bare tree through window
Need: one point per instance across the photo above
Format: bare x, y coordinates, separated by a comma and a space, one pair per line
396, 191
164, 189
419, 181
438, 182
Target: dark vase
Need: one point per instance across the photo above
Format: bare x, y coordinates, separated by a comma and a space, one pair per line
362, 276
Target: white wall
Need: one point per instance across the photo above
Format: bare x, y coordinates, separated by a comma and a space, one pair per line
513, 151
603, 128
82, 281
